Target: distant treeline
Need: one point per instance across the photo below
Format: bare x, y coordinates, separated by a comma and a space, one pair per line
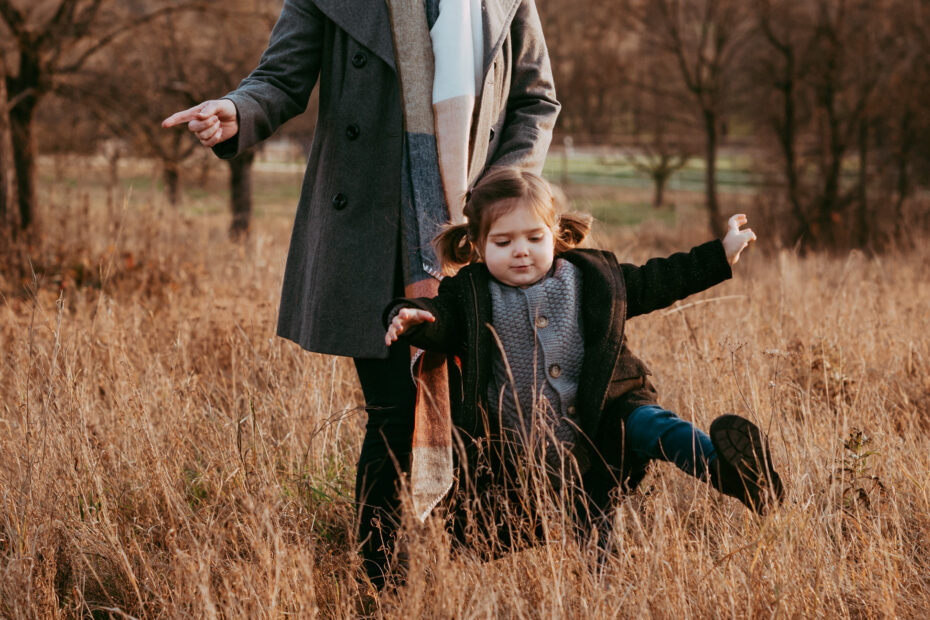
827, 94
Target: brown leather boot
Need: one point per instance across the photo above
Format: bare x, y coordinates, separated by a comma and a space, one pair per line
743, 468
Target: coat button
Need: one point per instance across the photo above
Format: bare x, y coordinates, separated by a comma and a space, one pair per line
492, 134
555, 371
541, 322
352, 131
359, 59
340, 201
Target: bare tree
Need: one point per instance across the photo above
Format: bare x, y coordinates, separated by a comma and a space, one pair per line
827, 62
202, 72
7, 187
590, 52
47, 41
704, 40
611, 94
661, 138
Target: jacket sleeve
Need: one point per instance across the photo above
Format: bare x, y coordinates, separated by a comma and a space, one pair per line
279, 88
446, 333
531, 104
663, 281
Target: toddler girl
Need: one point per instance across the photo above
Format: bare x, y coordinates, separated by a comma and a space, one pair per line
538, 327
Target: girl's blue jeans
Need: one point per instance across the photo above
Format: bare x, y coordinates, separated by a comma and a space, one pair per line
656, 433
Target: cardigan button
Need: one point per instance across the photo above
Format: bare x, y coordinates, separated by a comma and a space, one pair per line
541, 322
340, 201
359, 59
555, 371
571, 410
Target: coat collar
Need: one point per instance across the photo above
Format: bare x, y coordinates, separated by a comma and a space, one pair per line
365, 21
368, 23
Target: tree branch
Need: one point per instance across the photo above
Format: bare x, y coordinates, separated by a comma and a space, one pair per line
15, 101
14, 18
127, 27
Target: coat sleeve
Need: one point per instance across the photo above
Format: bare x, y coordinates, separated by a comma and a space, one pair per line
279, 88
531, 104
447, 333
663, 281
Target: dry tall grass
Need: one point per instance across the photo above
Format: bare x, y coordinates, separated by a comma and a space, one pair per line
162, 454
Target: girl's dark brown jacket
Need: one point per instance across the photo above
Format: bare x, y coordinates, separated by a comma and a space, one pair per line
611, 293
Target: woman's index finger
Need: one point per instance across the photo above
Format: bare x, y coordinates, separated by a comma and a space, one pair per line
179, 118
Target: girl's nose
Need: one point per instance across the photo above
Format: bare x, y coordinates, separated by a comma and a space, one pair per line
519, 249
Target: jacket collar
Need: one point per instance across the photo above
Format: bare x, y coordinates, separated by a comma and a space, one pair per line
369, 24
602, 293
602, 296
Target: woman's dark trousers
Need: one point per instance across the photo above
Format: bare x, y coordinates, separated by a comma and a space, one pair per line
390, 399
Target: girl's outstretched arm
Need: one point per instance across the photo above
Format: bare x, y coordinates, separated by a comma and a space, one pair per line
662, 281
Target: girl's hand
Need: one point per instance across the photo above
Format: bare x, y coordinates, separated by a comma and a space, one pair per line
736, 239
404, 320
211, 121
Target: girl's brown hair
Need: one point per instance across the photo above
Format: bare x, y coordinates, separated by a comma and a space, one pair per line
497, 193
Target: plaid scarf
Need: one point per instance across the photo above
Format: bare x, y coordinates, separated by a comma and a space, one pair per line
435, 44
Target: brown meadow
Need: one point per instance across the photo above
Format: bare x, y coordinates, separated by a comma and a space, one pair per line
163, 454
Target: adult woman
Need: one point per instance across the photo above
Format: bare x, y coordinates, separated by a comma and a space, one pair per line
344, 262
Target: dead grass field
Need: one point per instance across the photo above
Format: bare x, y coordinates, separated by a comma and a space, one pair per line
163, 454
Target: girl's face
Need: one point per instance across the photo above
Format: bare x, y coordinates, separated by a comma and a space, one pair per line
519, 248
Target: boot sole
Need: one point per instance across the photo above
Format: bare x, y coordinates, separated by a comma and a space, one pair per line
740, 442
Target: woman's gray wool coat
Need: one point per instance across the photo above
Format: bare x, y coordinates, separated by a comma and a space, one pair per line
340, 269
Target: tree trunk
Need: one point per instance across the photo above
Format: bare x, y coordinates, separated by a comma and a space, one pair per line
717, 227
862, 212
659, 179
172, 178
7, 196
24, 161
788, 137
240, 186
902, 163
113, 158
830, 217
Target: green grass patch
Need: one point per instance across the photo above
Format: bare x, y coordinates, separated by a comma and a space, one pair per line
617, 213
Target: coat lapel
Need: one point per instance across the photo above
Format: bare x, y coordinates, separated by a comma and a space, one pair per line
603, 318
366, 22
497, 17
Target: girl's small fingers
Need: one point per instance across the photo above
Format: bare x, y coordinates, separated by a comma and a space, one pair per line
415, 314
737, 220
